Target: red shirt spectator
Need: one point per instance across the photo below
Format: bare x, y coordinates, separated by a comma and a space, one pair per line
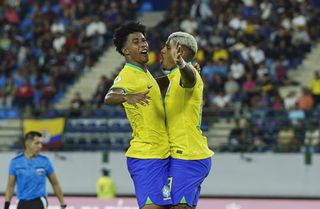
25, 90
12, 16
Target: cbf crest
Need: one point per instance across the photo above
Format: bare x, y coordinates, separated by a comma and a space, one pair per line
166, 193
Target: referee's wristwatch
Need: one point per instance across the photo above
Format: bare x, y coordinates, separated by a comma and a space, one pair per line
63, 205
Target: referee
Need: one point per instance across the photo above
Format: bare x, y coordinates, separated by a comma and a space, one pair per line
29, 170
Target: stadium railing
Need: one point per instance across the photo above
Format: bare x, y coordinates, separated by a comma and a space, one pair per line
108, 129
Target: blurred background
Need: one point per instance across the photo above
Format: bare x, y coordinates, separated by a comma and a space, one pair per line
260, 66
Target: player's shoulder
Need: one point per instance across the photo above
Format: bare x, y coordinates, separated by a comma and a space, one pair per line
18, 156
42, 157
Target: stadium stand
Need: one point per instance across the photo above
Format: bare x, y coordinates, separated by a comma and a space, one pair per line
249, 51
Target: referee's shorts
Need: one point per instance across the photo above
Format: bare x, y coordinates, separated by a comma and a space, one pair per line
38, 203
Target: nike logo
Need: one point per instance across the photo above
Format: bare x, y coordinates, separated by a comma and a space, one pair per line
149, 87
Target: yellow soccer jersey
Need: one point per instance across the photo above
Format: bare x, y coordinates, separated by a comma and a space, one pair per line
150, 139
183, 116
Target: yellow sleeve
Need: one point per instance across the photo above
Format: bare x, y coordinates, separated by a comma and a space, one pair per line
311, 84
126, 81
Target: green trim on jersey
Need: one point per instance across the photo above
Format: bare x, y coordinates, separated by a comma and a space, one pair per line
134, 66
124, 89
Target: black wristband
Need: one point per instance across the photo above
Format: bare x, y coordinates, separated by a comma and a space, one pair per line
63, 206
6, 205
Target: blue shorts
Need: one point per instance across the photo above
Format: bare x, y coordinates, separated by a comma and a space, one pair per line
150, 178
185, 178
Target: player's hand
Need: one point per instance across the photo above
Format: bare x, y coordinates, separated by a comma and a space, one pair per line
138, 98
176, 52
197, 67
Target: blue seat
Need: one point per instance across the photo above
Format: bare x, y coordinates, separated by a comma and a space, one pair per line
56, 8
3, 81
146, 7
100, 114
33, 80
13, 113
25, 24
3, 114
115, 127
127, 127
36, 96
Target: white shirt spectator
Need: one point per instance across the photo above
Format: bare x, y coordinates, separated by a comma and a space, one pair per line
237, 70
96, 26
237, 23
299, 21
205, 11
257, 55
59, 42
189, 26
266, 9
261, 72
290, 102
221, 101
286, 23
312, 137
57, 27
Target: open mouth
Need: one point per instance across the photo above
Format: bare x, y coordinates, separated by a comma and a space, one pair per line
144, 52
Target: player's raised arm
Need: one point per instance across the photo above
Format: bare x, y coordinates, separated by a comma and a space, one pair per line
117, 96
188, 75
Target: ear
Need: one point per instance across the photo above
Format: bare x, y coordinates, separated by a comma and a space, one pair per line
125, 51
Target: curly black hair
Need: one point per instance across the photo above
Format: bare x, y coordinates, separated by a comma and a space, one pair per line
121, 34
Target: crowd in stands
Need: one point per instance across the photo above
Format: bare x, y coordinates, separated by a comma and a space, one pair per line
246, 48
45, 46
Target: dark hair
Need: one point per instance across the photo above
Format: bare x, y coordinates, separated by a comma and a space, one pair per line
121, 34
30, 135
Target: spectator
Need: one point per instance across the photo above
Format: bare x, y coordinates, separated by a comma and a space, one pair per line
221, 102
96, 26
290, 101
298, 20
101, 90
76, 105
249, 88
312, 139
59, 41
216, 39
266, 9
8, 63
57, 26
235, 137
262, 71
305, 102
105, 187
231, 87
256, 54
24, 95
299, 134
200, 12
189, 25
285, 138
237, 71
315, 88
220, 54
296, 114
7, 94
5, 41
48, 92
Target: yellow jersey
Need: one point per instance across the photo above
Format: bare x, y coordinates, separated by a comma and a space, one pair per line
315, 86
150, 139
183, 108
105, 187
